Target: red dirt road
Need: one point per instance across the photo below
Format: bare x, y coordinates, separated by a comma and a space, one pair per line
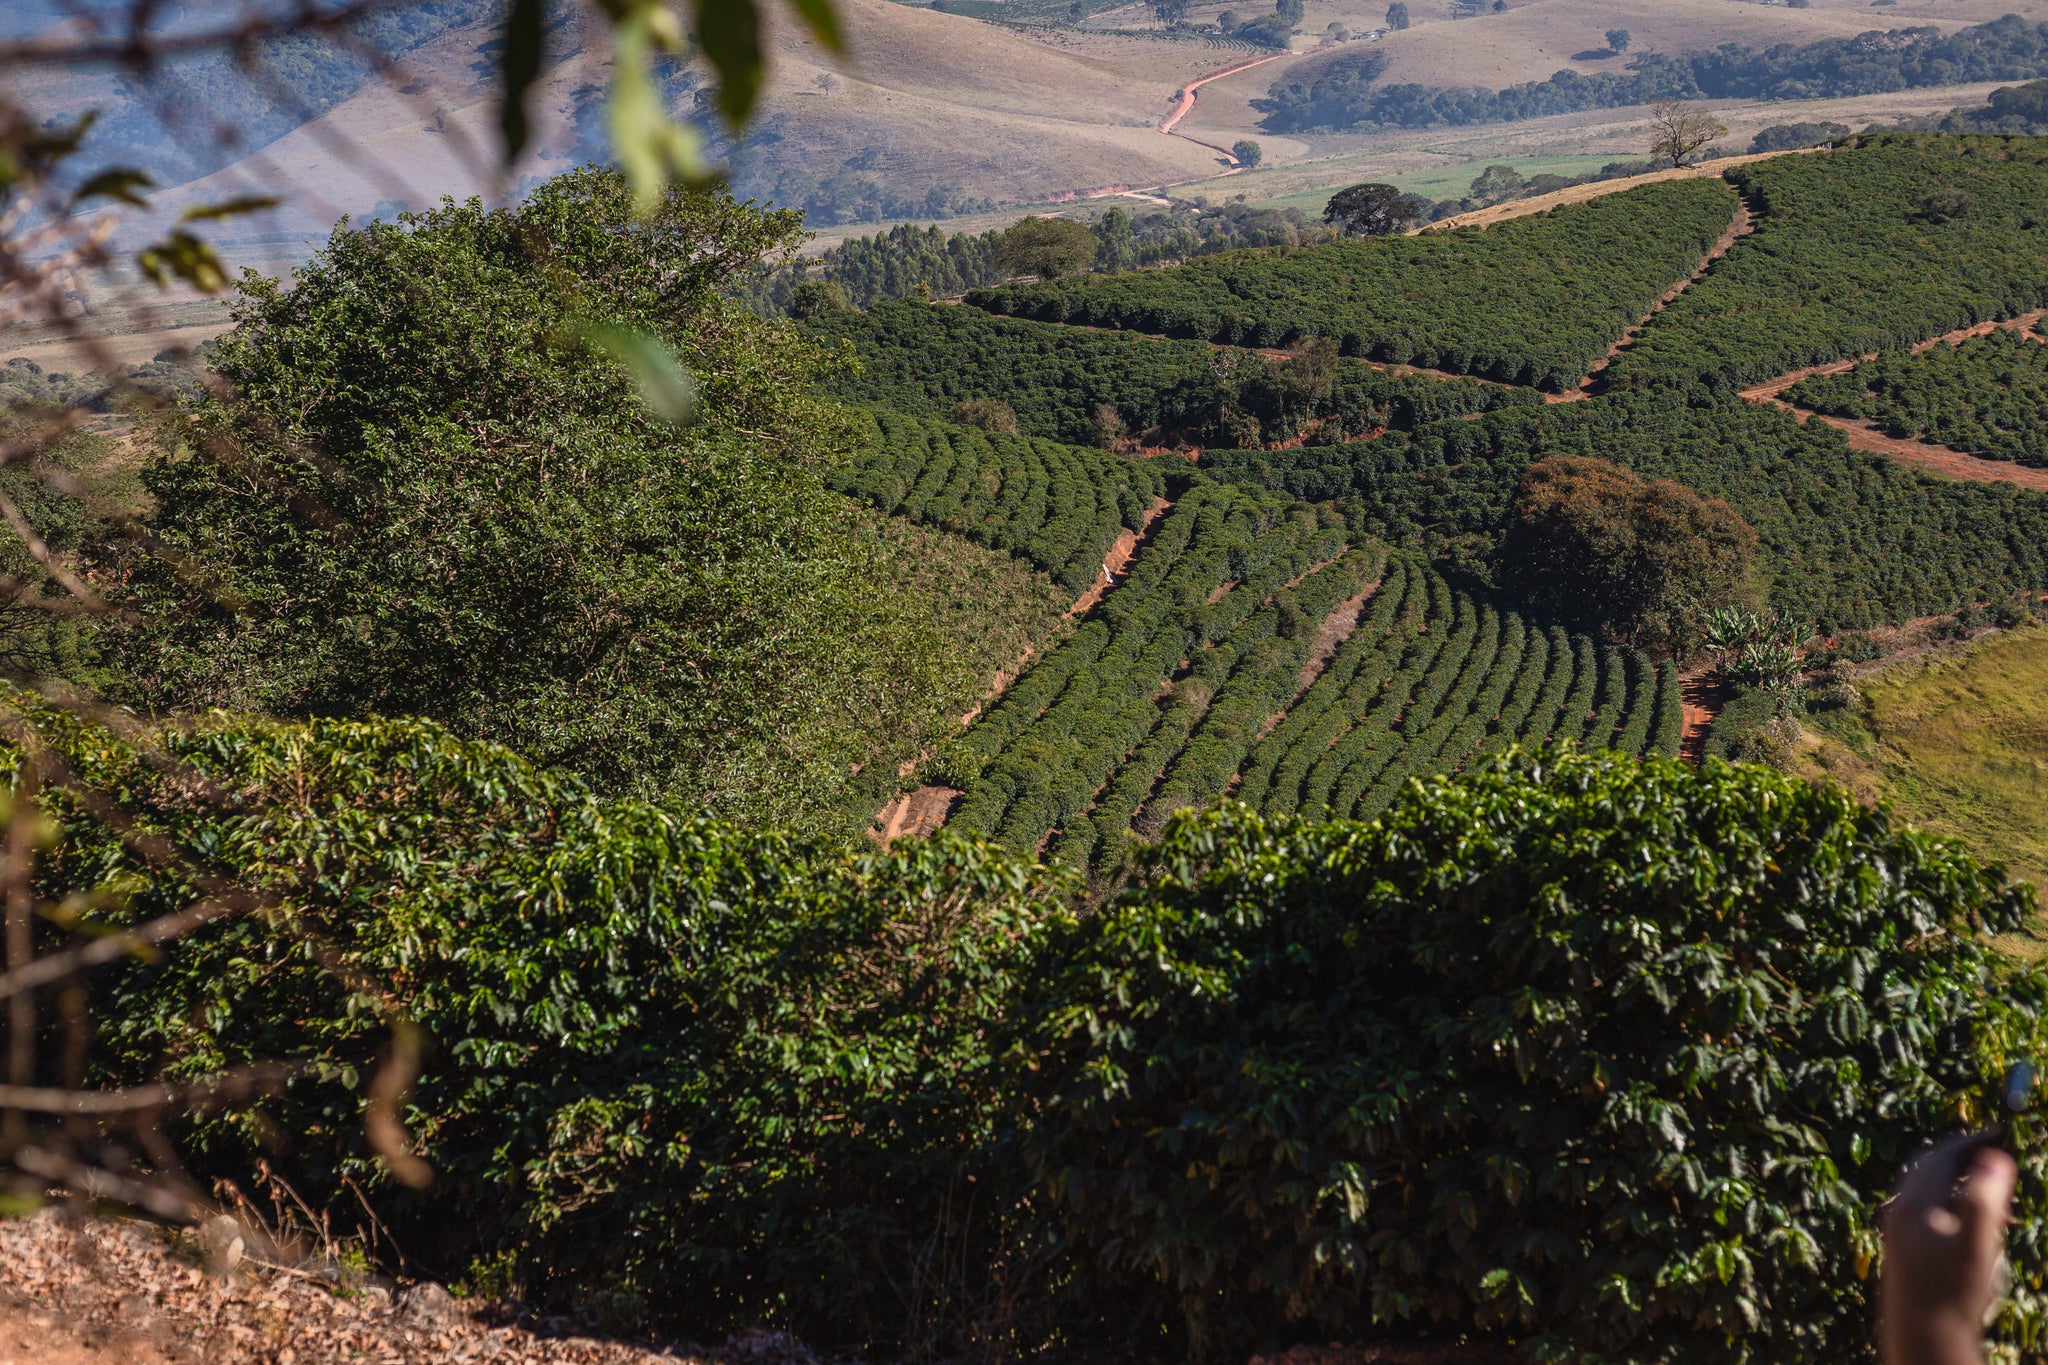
1740, 226
1187, 104
1934, 459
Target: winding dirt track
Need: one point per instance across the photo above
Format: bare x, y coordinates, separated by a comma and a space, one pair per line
1187, 104
1740, 226
1934, 459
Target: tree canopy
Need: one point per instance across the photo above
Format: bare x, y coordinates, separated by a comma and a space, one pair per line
1372, 210
431, 487
1641, 560
1046, 247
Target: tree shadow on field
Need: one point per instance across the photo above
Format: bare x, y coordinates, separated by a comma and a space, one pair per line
1595, 54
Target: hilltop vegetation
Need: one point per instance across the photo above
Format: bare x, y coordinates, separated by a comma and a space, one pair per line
1900, 238
1531, 301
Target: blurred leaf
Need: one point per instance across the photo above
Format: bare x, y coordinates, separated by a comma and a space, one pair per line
730, 31
652, 148
823, 23
524, 54
664, 384
228, 208
188, 258
118, 182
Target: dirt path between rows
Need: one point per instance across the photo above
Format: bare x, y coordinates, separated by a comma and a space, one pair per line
1868, 436
1337, 627
1704, 694
925, 809
1187, 105
1579, 194
1740, 226
1772, 388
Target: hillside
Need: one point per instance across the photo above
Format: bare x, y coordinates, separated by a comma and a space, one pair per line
1164, 790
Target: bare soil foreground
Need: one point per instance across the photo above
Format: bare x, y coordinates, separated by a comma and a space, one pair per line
115, 1293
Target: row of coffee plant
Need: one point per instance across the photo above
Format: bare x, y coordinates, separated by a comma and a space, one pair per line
1987, 396
1848, 538
1037, 760
1535, 300
1199, 676
1899, 238
1093, 387
1431, 680
1059, 506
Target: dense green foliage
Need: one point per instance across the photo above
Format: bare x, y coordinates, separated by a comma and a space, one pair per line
1431, 682
1056, 379
1846, 260
1534, 300
1644, 561
1987, 396
1343, 90
1847, 539
1610, 1060
1579, 1054
1202, 671
424, 496
1059, 506
691, 1074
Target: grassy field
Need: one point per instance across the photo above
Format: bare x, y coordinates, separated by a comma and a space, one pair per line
1956, 741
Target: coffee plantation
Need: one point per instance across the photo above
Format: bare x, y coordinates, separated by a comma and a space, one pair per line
1578, 1053
1985, 396
1533, 301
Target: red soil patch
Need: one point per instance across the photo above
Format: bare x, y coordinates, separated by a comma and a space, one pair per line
1741, 225
1119, 558
1938, 460
1704, 694
1772, 388
1336, 629
916, 814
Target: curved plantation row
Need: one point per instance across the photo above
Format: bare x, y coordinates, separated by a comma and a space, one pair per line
1987, 396
923, 359
1848, 539
1059, 506
1430, 681
1534, 300
1211, 589
1189, 679
1899, 238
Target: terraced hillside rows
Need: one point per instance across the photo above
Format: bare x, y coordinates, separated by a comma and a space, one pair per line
1986, 396
1533, 301
1200, 672
1059, 506
1431, 681
922, 359
1886, 242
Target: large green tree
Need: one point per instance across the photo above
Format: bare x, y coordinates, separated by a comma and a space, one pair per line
1640, 560
435, 484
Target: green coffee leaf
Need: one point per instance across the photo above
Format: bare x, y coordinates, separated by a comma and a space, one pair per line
653, 149
118, 182
228, 208
730, 31
185, 256
665, 386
